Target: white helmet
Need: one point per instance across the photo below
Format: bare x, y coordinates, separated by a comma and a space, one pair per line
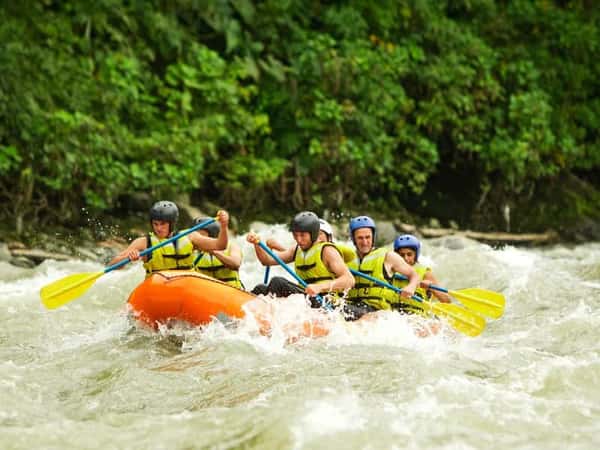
326, 228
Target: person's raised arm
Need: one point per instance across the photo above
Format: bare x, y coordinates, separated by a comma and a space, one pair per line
206, 243
265, 259
274, 245
233, 260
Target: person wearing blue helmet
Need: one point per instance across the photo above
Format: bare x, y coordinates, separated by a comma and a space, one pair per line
409, 248
366, 296
316, 262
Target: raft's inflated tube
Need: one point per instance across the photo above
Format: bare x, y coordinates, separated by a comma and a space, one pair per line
187, 296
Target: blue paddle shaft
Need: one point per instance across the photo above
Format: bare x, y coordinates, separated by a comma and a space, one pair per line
383, 283
282, 264
290, 271
162, 244
432, 286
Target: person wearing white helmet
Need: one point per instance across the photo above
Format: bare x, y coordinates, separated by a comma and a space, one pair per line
326, 235
325, 231
179, 254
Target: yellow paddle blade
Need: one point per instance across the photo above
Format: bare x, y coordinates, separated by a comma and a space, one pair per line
488, 303
66, 289
462, 320
467, 322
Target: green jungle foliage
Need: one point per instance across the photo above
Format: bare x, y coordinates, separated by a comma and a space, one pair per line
289, 103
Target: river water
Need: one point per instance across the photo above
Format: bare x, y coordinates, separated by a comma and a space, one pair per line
86, 376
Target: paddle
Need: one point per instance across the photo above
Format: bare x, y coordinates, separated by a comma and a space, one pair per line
66, 289
462, 320
270, 252
272, 244
489, 303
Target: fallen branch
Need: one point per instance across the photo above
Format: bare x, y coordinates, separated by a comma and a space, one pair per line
488, 237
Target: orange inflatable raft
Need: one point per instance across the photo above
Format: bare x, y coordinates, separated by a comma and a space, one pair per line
197, 299
187, 296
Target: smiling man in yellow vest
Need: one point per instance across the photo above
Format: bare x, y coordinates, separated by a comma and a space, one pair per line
366, 296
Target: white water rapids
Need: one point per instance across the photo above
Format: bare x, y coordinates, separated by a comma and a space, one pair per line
85, 376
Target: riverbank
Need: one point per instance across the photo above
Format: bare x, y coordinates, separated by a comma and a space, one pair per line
101, 241
565, 210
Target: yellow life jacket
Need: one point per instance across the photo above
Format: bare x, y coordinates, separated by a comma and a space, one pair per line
309, 264
175, 255
212, 266
346, 251
367, 291
421, 271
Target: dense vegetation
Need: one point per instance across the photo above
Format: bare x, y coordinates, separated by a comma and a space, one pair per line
259, 105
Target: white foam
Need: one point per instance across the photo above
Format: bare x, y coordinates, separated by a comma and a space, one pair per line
328, 416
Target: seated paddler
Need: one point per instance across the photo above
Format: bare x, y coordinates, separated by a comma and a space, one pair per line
409, 248
179, 254
381, 263
318, 263
326, 234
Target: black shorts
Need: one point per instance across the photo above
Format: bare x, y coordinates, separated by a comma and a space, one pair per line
282, 287
279, 287
355, 310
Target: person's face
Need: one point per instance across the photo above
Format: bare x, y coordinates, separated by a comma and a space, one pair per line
302, 238
408, 254
322, 237
203, 232
363, 240
161, 228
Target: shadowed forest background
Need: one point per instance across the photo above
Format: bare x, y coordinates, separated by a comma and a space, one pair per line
459, 110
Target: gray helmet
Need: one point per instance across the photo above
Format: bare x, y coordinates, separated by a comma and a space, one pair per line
306, 221
164, 210
213, 228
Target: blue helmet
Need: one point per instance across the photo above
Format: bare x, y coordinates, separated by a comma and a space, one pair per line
362, 222
408, 241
